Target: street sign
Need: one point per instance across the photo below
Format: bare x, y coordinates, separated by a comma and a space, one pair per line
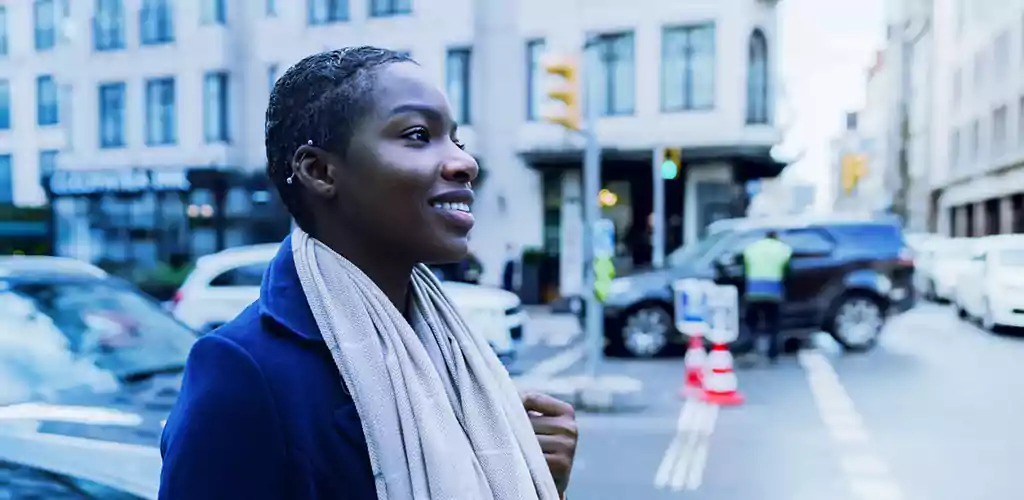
690, 296
604, 239
723, 314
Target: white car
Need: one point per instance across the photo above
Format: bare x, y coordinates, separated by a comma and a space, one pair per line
225, 283
991, 289
946, 261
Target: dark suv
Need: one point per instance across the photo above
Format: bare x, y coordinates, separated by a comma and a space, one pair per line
846, 276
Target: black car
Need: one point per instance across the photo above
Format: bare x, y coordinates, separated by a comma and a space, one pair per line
89, 370
846, 276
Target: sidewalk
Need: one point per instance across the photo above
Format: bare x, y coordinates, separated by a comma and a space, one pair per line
544, 327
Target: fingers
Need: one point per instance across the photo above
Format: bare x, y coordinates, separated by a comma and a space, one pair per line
554, 426
547, 405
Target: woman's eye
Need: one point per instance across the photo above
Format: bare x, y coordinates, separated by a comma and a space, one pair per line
418, 134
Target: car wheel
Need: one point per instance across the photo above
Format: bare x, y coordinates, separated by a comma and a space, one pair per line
857, 322
960, 311
645, 331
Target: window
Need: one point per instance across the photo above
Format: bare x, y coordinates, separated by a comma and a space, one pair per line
214, 12
5, 105
975, 142
108, 26
958, 87
954, 148
611, 84
979, 71
46, 101
6, 179
161, 126
215, 107
326, 11
156, 22
45, 19
1001, 55
3, 31
250, 275
270, 8
271, 77
381, 8
48, 161
112, 114
534, 79
457, 83
999, 119
757, 78
688, 68
807, 242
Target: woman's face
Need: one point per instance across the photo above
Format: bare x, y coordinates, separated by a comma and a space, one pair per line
404, 185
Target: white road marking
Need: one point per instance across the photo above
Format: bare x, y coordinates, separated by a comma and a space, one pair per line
556, 364
867, 474
682, 466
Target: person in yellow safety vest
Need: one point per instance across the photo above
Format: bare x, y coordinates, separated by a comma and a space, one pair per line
604, 273
765, 267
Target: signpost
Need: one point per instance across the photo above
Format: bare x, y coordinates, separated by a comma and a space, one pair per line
723, 314
691, 305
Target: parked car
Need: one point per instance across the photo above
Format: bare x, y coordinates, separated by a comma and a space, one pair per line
847, 275
943, 262
89, 371
991, 289
224, 283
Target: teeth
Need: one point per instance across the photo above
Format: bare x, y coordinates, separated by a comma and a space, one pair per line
462, 207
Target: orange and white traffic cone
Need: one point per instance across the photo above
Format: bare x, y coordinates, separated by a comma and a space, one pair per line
721, 387
693, 383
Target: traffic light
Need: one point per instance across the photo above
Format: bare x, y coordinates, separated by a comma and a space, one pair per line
854, 168
670, 166
565, 89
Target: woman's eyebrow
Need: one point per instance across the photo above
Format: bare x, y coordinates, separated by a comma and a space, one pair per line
428, 112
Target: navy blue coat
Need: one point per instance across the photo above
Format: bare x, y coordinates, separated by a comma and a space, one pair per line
262, 413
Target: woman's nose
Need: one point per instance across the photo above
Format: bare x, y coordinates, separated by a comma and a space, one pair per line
461, 168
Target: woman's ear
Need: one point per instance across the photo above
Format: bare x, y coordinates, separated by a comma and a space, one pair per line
312, 167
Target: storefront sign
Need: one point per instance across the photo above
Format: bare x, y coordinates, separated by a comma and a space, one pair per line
72, 182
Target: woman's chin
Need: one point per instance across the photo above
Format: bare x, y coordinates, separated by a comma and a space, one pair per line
450, 251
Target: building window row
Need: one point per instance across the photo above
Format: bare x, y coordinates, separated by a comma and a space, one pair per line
688, 73
161, 111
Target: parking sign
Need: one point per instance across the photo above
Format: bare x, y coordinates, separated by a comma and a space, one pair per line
690, 296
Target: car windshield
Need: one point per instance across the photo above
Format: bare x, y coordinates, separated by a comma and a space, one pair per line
692, 252
92, 335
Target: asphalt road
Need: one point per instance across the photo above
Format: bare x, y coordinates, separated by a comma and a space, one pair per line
933, 413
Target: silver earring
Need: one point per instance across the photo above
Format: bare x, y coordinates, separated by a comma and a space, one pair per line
291, 178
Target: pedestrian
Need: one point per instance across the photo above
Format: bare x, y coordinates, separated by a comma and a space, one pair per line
512, 273
352, 375
765, 268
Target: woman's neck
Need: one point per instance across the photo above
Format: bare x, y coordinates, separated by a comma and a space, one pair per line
389, 274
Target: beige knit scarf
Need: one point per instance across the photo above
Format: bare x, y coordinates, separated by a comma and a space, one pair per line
441, 416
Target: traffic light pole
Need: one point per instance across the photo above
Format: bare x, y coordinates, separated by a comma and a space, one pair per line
594, 316
658, 222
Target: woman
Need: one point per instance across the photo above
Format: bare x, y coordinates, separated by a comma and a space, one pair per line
352, 377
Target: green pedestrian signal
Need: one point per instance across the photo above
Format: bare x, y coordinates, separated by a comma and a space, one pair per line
669, 170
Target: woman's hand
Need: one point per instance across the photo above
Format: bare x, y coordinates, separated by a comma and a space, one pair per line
554, 422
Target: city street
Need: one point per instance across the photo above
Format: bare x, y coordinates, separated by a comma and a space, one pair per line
933, 413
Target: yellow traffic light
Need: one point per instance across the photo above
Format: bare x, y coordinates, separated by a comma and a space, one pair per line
670, 165
854, 168
565, 89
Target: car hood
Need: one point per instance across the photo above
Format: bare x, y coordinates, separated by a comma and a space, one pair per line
467, 296
132, 415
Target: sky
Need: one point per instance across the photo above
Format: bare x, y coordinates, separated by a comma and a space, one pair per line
827, 46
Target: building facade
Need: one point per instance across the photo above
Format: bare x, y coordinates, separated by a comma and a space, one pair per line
164, 100
978, 117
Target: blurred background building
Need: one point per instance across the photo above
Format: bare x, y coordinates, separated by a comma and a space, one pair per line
141, 121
